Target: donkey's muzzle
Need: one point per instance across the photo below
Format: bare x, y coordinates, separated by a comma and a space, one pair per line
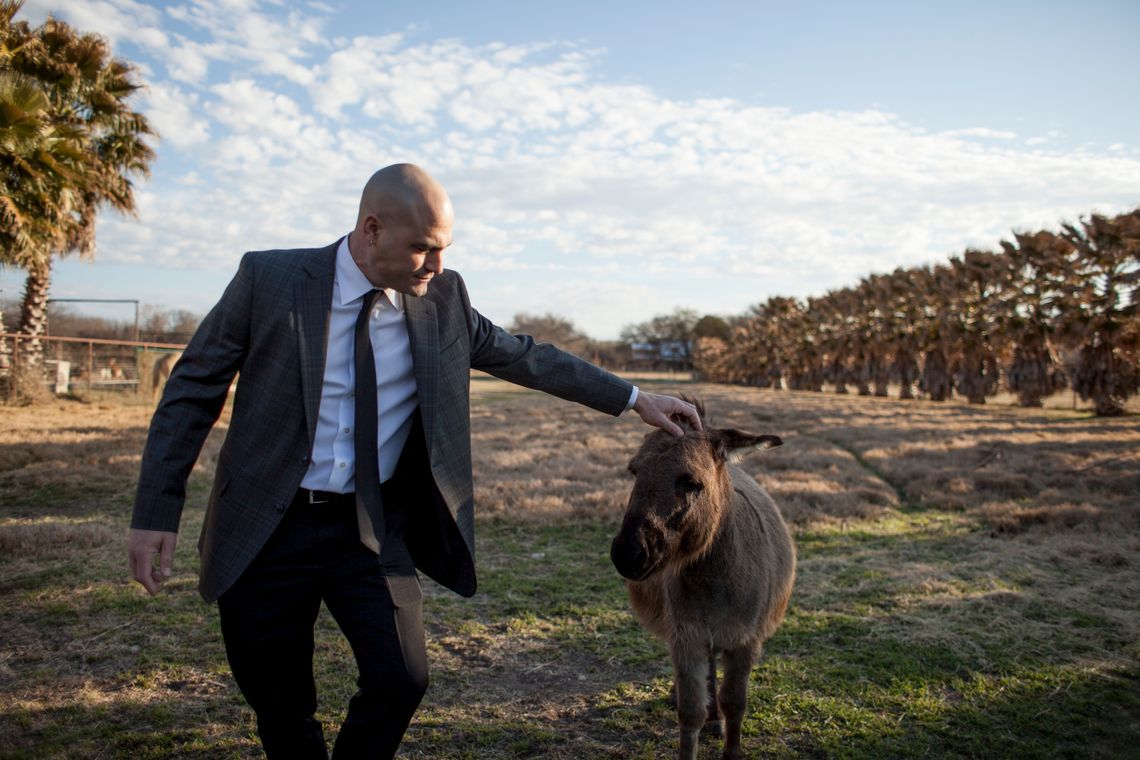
631, 558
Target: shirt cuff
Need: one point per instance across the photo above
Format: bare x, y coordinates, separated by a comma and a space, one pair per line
632, 399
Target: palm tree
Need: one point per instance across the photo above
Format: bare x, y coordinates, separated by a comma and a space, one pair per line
1041, 265
837, 342
782, 317
763, 346
936, 291
39, 162
979, 306
1103, 311
876, 323
904, 320
86, 91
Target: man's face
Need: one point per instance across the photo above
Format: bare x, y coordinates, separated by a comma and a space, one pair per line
408, 253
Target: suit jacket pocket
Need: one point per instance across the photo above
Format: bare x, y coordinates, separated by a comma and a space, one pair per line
455, 344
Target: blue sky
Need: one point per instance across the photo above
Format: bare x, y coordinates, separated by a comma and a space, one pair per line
610, 161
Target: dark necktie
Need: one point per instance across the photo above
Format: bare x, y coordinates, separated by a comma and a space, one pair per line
369, 512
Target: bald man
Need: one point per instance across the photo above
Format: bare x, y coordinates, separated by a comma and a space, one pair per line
323, 493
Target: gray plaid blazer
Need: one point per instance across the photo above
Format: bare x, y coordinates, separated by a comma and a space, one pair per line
271, 326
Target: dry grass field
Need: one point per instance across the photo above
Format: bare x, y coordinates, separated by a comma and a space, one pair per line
969, 586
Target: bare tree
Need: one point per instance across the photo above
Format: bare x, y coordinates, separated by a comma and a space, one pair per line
552, 328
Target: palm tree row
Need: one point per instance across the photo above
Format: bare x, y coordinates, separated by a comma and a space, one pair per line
69, 144
1047, 311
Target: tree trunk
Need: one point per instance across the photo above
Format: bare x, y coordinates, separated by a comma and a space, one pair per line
837, 373
976, 373
971, 377
906, 368
937, 382
1033, 371
862, 375
775, 377
1105, 378
1107, 406
33, 314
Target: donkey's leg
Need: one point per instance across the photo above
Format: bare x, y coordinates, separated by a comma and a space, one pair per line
734, 696
690, 678
713, 723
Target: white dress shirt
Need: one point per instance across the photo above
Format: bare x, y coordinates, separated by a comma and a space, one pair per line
333, 464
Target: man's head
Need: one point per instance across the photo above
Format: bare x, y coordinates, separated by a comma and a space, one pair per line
401, 231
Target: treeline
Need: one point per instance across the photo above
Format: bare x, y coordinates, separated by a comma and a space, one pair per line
155, 324
1050, 310
661, 343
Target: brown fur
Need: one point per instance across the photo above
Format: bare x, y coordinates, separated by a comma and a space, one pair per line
710, 565
161, 373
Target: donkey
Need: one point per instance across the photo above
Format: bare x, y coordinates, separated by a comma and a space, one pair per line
709, 565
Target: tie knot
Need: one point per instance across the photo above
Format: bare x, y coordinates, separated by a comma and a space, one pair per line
366, 306
371, 297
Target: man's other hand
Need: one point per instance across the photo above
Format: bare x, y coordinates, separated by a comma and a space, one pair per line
142, 546
656, 410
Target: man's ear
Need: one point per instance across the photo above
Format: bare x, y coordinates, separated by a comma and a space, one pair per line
373, 226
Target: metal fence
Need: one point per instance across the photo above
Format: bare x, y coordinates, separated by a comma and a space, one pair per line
88, 364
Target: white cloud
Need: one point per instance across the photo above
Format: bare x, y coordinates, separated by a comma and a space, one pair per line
981, 133
554, 168
175, 115
243, 32
117, 20
187, 62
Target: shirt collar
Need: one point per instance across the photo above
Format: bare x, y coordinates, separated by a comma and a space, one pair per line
351, 282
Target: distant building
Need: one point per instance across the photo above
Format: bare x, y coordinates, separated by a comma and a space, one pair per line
661, 355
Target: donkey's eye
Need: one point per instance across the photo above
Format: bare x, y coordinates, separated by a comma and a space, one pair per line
687, 484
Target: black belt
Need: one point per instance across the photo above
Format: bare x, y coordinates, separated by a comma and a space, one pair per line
316, 498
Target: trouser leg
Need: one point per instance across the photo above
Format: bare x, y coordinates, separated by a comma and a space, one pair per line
267, 622
377, 602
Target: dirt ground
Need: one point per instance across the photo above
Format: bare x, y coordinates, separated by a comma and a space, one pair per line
966, 572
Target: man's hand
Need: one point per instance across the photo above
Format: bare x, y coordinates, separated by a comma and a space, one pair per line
656, 410
142, 546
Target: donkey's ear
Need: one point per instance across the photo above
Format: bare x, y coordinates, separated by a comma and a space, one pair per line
731, 445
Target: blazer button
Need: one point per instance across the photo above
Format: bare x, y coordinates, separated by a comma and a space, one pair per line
279, 507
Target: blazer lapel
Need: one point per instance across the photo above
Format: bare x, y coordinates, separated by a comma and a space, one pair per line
423, 332
312, 307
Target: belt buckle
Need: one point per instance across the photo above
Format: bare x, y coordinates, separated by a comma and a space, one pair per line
313, 501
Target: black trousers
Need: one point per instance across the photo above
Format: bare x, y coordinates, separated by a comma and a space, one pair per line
267, 623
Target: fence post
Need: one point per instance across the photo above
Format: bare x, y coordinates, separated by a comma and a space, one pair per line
90, 364
13, 391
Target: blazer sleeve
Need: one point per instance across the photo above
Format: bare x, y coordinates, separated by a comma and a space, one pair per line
193, 399
541, 366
